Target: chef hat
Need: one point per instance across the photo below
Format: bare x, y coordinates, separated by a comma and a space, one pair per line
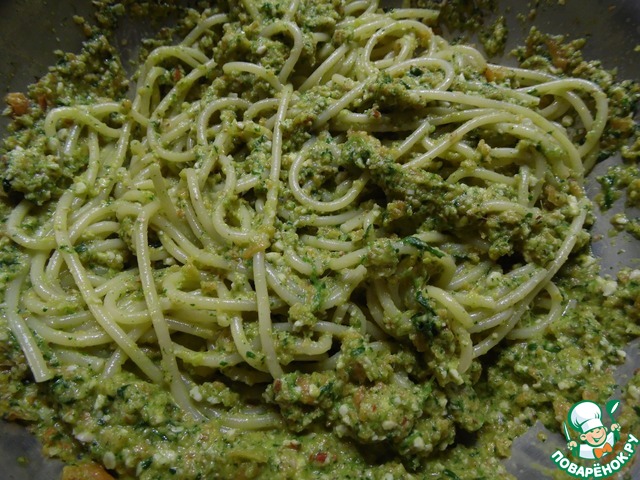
585, 416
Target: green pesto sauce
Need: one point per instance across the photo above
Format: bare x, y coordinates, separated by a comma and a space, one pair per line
352, 422
133, 426
622, 181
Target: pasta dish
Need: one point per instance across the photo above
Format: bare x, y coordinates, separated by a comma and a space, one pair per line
308, 225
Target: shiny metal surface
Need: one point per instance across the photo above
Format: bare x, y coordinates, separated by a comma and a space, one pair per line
31, 29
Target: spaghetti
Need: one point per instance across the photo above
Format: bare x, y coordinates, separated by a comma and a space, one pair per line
256, 206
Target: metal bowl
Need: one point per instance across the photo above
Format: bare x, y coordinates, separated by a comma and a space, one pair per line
32, 30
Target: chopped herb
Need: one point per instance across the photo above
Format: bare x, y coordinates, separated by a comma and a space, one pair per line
420, 245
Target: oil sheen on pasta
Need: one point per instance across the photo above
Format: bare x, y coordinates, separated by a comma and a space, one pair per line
314, 240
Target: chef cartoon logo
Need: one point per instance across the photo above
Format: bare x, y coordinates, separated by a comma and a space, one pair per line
596, 440
592, 440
